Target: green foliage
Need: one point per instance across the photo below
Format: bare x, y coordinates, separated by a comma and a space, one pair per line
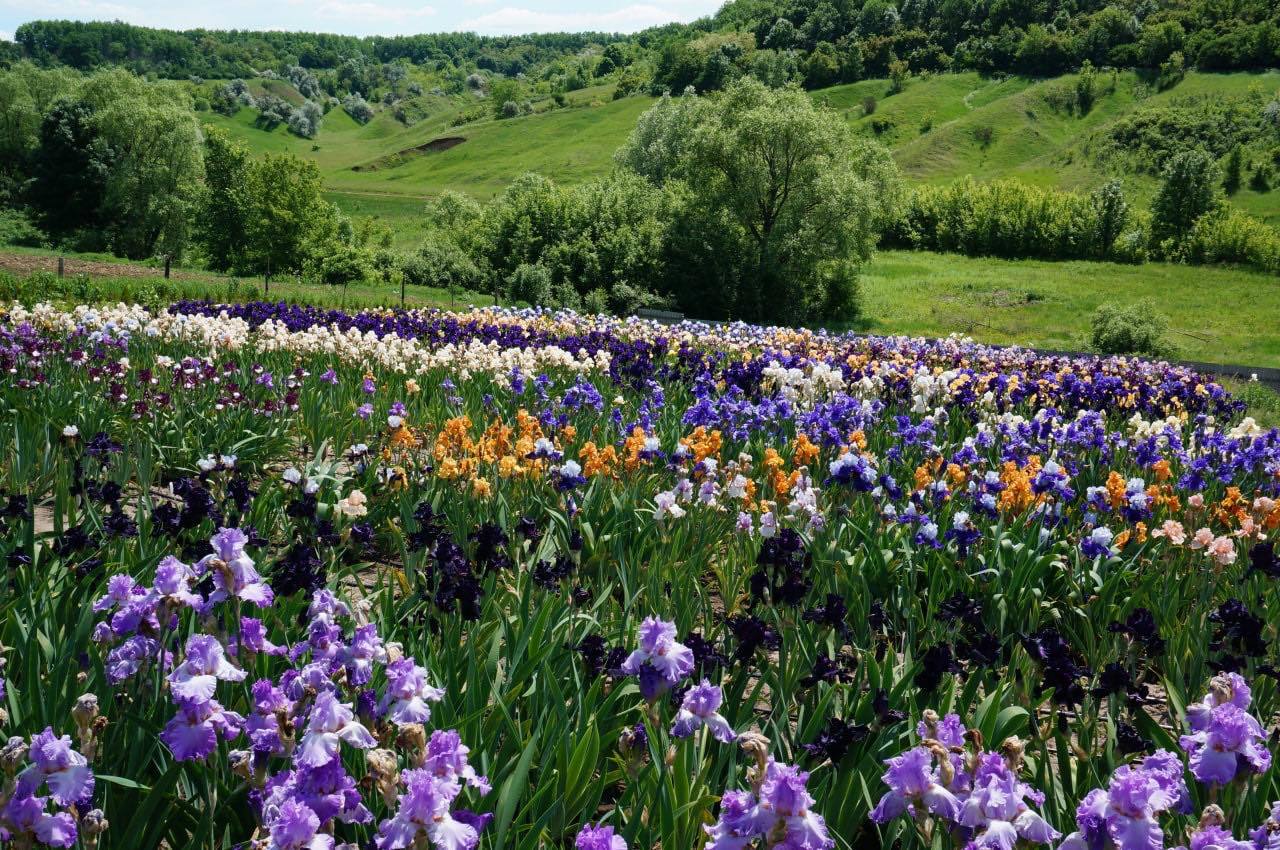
1188, 190
1146, 139
221, 225
777, 203
346, 264
1135, 329
1230, 236
1086, 87
1008, 218
288, 221
1232, 173
16, 228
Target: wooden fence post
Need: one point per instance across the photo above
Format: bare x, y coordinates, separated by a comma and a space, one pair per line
61, 266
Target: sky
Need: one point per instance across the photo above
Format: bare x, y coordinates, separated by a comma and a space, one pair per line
367, 17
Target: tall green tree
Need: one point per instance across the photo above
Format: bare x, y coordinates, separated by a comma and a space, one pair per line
780, 203
289, 224
1189, 188
222, 221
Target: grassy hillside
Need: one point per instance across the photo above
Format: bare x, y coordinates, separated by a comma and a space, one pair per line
1215, 314
937, 128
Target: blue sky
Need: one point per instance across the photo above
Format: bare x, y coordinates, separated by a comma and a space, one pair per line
368, 17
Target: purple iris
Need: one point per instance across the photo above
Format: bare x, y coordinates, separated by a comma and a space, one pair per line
914, 788
423, 811
196, 678
701, 708
660, 661
234, 575
446, 759
1126, 813
329, 723
997, 810
297, 827
407, 693
1225, 741
24, 816
598, 838
55, 764
192, 733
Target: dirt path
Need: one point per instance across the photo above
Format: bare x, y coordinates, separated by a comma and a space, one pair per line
24, 264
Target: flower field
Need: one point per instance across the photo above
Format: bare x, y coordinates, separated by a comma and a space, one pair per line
282, 577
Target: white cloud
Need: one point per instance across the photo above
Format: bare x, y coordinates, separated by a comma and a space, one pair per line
514, 20
366, 11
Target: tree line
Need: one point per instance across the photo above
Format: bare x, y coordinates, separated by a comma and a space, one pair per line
815, 43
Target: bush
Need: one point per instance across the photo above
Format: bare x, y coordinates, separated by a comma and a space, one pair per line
346, 264
1136, 329
358, 108
16, 228
1231, 236
868, 105
1008, 218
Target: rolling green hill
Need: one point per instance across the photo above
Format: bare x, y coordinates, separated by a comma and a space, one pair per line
940, 128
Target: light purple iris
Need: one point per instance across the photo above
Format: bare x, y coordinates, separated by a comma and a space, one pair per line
914, 787
125, 660
1126, 813
997, 811
1215, 837
660, 661
295, 827
25, 817
263, 723
447, 759
192, 733
1267, 836
1226, 741
234, 575
784, 797
253, 637
196, 678
739, 823
173, 583
701, 708
407, 694
365, 648
329, 791
54, 763
423, 810
329, 723
598, 838
782, 814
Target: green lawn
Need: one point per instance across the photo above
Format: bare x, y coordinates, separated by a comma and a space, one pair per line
1215, 314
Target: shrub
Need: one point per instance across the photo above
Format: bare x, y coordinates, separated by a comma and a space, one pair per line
868, 105
984, 135
1086, 87
16, 228
1231, 236
345, 265
1135, 329
1008, 218
358, 108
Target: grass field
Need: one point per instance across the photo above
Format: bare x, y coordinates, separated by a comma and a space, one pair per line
1215, 314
